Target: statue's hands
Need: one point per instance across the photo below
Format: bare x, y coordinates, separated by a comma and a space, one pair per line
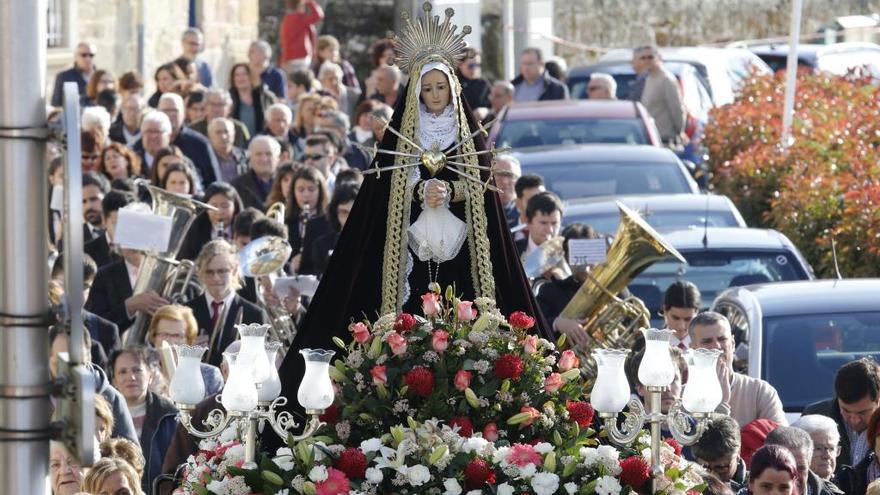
435, 193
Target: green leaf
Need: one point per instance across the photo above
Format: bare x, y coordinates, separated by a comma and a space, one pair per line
560, 341
437, 454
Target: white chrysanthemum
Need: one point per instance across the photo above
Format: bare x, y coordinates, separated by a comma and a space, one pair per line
474, 444
545, 483
318, 474
543, 448
528, 471
607, 485
452, 487
570, 488
297, 483
418, 475
374, 475
500, 456
505, 489
371, 445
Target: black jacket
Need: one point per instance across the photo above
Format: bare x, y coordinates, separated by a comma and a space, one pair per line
159, 426
262, 99
102, 331
853, 480
198, 235
554, 295
193, 146
249, 190
321, 250
831, 409
818, 486
554, 89
242, 135
99, 250
316, 227
475, 91
250, 313
70, 75
109, 291
123, 427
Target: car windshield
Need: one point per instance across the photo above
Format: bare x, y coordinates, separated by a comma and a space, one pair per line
526, 133
712, 272
814, 346
606, 223
575, 180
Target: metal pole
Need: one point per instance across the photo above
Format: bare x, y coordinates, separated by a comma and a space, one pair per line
508, 49
24, 371
791, 73
655, 417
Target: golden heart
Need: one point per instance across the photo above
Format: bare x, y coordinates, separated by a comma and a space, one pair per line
434, 161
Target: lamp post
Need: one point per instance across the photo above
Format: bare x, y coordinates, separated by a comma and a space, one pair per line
252, 391
687, 417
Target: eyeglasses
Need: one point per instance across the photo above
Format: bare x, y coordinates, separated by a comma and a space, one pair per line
170, 336
91, 157
314, 156
86, 55
828, 450
220, 273
594, 88
646, 57
474, 65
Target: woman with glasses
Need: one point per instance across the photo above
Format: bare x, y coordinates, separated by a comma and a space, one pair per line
176, 325
220, 308
91, 148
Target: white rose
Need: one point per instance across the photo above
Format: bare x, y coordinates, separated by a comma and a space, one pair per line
545, 483
571, 488
371, 445
607, 485
474, 444
418, 475
543, 448
374, 475
452, 487
318, 474
505, 489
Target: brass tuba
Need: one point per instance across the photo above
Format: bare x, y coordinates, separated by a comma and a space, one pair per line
161, 272
610, 321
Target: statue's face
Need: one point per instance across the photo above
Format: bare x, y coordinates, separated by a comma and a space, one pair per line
435, 91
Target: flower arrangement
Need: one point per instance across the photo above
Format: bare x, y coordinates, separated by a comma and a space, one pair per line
459, 401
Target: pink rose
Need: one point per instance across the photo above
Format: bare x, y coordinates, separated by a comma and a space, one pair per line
530, 343
431, 304
465, 312
360, 331
490, 432
462, 380
568, 360
534, 414
379, 377
553, 382
440, 340
397, 343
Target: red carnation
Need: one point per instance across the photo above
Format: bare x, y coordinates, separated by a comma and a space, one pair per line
634, 471
477, 473
331, 415
420, 381
675, 445
508, 366
353, 463
404, 323
520, 320
466, 428
580, 412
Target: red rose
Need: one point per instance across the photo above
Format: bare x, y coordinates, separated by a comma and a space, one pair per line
675, 445
420, 381
520, 320
404, 323
462, 380
466, 428
508, 366
331, 415
360, 331
477, 473
580, 412
353, 463
634, 472
490, 432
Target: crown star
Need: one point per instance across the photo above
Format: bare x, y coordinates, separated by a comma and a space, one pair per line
429, 39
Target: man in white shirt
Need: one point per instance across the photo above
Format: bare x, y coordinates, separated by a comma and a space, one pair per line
543, 219
745, 398
681, 303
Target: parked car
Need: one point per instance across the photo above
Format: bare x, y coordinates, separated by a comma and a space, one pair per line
798, 334
724, 68
838, 58
564, 122
607, 170
718, 258
694, 93
661, 211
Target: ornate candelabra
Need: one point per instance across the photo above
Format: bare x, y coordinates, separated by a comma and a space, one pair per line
251, 394
686, 419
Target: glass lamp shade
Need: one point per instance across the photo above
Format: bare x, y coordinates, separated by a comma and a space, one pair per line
316, 390
271, 388
656, 369
702, 393
240, 392
253, 350
187, 385
611, 390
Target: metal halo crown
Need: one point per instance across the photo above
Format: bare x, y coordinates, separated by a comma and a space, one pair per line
429, 39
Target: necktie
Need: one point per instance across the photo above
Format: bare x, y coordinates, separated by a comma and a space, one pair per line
682, 346
215, 313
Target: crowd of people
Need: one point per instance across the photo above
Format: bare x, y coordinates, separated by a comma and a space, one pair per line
300, 130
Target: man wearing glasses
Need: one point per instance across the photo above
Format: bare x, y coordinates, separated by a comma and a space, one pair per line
83, 66
661, 95
601, 87
474, 87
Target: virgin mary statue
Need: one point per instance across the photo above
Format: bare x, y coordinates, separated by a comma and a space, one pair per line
427, 212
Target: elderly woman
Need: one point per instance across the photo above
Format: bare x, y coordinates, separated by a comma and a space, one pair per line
112, 475
65, 472
826, 443
176, 325
331, 76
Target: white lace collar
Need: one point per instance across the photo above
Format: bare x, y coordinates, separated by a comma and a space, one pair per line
437, 129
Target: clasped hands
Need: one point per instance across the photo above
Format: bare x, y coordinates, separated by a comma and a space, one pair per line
436, 193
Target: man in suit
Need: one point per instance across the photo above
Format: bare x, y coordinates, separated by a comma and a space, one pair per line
99, 248
254, 185
94, 187
127, 129
231, 159
155, 135
80, 73
193, 145
534, 83
218, 104
112, 294
192, 43
220, 308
